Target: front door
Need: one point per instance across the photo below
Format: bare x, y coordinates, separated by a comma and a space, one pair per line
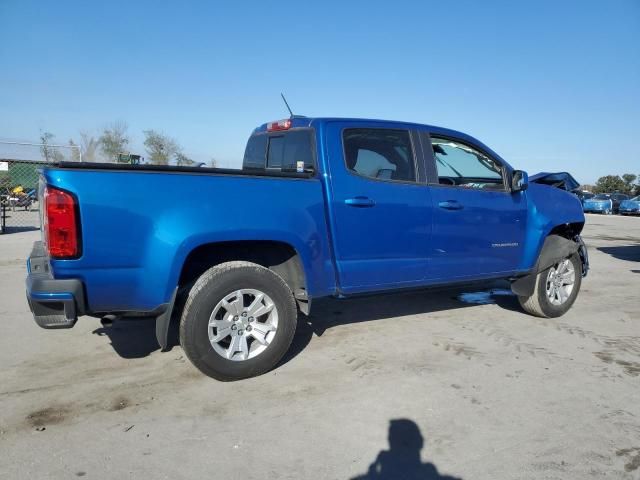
381, 213
479, 225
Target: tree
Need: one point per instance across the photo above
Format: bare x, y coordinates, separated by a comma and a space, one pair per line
629, 178
74, 155
160, 147
610, 183
114, 140
88, 147
48, 151
45, 149
183, 160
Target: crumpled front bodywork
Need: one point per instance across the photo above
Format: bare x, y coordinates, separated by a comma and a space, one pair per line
549, 208
555, 220
561, 180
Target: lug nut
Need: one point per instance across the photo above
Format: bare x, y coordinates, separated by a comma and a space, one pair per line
244, 314
239, 332
249, 327
234, 327
251, 319
236, 318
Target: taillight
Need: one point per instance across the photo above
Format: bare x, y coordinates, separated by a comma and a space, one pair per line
60, 224
279, 125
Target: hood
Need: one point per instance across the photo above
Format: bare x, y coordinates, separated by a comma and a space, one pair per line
561, 180
630, 203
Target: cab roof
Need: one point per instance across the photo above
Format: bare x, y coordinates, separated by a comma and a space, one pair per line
299, 121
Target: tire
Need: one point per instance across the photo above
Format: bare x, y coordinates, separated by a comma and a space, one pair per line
539, 303
210, 294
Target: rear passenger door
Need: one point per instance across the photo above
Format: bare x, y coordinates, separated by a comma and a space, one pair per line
479, 225
380, 206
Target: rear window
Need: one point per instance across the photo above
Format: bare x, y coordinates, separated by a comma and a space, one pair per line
381, 154
287, 151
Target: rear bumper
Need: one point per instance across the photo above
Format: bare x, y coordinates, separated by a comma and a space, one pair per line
55, 303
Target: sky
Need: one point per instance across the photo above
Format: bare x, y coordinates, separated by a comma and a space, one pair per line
549, 85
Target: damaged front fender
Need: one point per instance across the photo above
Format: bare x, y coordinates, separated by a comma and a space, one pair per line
554, 250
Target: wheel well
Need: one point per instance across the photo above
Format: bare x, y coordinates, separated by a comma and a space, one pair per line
567, 230
280, 257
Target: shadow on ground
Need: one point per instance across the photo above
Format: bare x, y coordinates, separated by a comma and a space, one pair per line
402, 459
11, 229
135, 338
630, 253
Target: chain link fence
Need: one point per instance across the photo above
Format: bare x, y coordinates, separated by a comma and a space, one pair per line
19, 166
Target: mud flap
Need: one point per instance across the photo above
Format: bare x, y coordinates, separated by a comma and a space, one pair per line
554, 249
163, 321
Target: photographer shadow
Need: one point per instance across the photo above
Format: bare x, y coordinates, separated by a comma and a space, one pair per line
402, 459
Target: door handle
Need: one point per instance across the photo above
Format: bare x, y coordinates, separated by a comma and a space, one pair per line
451, 205
359, 202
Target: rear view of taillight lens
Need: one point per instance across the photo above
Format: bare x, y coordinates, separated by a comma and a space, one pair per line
60, 226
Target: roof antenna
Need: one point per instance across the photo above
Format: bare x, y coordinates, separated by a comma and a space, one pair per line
287, 104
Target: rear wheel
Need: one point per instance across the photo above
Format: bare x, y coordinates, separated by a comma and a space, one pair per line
556, 289
238, 321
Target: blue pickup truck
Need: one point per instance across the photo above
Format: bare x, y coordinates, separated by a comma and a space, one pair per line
321, 207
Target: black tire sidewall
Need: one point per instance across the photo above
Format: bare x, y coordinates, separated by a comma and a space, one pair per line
195, 322
549, 309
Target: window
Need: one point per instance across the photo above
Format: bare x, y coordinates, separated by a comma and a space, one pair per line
254, 154
275, 156
379, 153
281, 151
461, 165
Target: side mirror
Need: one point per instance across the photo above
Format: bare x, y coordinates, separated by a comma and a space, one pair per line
519, 181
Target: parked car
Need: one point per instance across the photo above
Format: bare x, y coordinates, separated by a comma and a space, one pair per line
617, 199
600, 203
631, 206
322, 207
582, 195
606, 203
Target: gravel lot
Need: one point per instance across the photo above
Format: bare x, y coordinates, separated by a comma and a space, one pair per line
467, 390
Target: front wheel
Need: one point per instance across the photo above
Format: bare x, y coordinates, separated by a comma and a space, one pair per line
238, 321
556, 289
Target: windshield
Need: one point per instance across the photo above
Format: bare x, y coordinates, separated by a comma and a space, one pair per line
635, 199
602, 196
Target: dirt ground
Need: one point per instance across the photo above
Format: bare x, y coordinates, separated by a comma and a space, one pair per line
411, 385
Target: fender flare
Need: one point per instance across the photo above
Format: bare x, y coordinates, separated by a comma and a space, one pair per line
554, 249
